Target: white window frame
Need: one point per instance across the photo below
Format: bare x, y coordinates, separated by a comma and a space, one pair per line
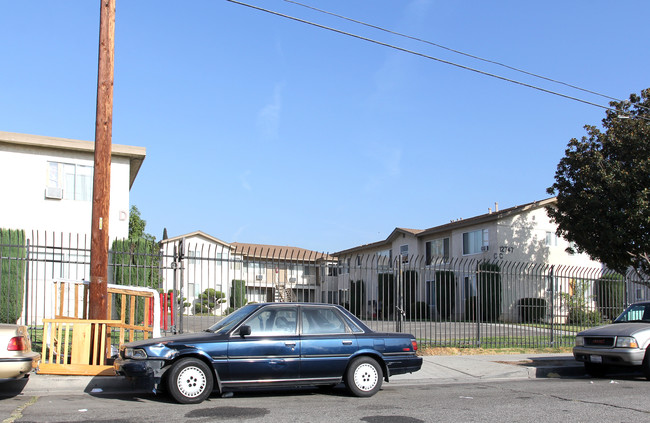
440, 244
471, 243
74, 180
404, 253
551, 239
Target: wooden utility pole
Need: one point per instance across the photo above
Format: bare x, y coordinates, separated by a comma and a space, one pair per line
98, 300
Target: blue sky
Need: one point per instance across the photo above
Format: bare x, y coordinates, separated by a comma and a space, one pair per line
262, 129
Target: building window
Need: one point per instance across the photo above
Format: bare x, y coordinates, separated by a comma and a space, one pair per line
404, 253
384, 259
72, 181
437, 248
332, 270
551, 239
193, 255
475, 242
358, 261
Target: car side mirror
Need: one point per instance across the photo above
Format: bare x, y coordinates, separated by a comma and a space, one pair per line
244, 330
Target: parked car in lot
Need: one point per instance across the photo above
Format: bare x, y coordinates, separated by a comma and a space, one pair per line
272, 345
17, 359
622, 343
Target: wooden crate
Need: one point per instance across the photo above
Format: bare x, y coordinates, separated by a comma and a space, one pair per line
76, 347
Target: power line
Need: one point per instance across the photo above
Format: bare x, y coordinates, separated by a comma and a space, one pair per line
426, 56
454, 51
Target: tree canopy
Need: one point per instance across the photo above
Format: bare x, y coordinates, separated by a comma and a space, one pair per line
602, 187
137, 226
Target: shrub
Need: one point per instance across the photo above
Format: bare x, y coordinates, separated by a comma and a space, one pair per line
409, 289
386, 304
532, 310
12, 274
357, 294
578, 303
489, 285
238, 293
584, 317
210, 298
200, 309
445, 292
610, 295
418, 310
135, 262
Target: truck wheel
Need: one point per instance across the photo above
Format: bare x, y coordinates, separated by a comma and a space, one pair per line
645, 367
364, 377
190, 381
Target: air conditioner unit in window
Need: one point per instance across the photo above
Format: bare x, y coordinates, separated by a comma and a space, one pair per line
292, 280
485, 248
54, 193
259, 277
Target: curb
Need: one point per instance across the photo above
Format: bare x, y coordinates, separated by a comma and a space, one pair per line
436, 369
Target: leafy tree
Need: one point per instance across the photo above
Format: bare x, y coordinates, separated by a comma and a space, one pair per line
137, 226
603, 188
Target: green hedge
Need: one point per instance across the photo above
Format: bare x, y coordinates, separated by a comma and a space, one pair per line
12, 274
357, 295
532, 310
445, 292
610, 295
238, 294
489, 285
136, 263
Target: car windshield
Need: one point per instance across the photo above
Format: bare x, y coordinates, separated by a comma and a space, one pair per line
227, 323
635, 313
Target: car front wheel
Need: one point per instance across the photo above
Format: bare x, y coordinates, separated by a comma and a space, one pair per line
190, 381
364, 377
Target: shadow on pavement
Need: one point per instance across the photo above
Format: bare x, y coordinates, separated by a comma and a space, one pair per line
12, 388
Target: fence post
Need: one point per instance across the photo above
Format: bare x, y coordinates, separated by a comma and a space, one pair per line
175, 266
178, 295
552, 282
400, 310
26, 294
478, 302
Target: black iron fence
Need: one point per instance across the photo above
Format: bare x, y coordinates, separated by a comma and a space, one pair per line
443, 302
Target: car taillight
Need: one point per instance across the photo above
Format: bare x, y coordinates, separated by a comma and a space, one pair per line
415, 344
17, 343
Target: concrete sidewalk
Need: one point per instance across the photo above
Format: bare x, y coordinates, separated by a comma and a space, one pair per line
435, 369
466, 368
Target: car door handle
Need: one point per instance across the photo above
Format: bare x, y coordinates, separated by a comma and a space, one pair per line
347, 342
290, 344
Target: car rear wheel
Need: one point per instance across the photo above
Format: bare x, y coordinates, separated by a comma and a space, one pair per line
364, 377
595, 370
190, 381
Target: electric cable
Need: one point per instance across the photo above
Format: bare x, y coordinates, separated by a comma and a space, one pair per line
513, 81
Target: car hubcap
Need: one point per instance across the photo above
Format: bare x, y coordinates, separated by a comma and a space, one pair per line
191, 381
365, 377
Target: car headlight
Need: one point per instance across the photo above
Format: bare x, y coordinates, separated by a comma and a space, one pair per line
134, 353
580, 341
626, 342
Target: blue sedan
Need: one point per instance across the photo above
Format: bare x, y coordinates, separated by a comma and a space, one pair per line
272, 345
